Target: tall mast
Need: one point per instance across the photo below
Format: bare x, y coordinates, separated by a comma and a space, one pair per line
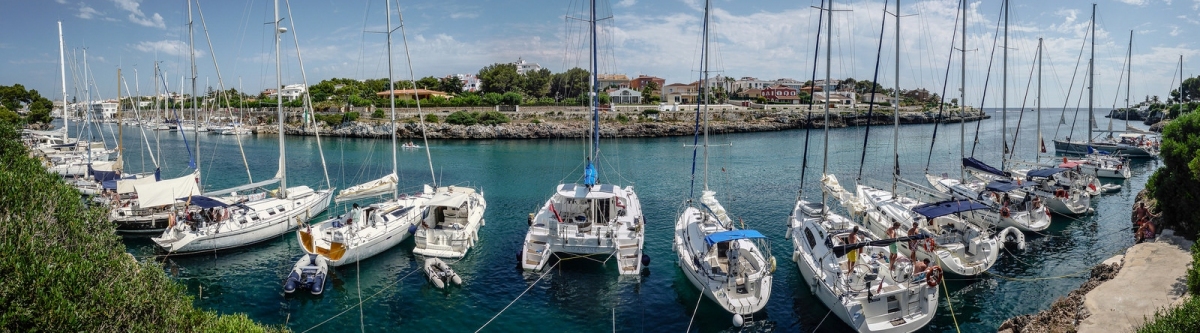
63, 70
595, 98
420, 114
87, 102
195, 113
1129, 77
704, 85
1180, 99
962, 96
825, 91
119, 165
1004, 96
1091, 79
392, 95
895, 115
279, 106
1038, 156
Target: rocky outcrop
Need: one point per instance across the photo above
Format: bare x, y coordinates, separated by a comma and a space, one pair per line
1065, 313
577, 128
1158, 127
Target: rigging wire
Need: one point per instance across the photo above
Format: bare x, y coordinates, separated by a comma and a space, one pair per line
945, 84
987, 78
874, 88
808, 115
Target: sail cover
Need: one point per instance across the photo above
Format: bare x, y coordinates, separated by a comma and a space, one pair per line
203, 201
127, 185
164, 192
943, 208
1002, 186
726, 236
971, 162
1044, 173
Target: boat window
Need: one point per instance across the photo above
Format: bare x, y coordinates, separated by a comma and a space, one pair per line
280, 208
808, 236
401, 211
893, 304
271, 211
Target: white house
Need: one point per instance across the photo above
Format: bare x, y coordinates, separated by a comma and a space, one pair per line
747, 83
525, 67
104, 110
293, 91
625, 96
845, 98
470, 82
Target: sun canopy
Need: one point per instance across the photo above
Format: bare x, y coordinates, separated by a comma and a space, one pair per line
203, 201
127, 185
454, 200
971, 162
726, 236
164, 192
841, 250
1002, 186
1044, 173
943, 208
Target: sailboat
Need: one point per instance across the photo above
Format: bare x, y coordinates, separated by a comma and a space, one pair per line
240, 220
732, 267
958, 246
589, 218
1130, 144
822, 243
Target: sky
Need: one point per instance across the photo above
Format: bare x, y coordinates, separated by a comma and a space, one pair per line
766, 39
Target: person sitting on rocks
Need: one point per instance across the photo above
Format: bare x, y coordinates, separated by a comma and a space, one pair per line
1140, 213
1145, 232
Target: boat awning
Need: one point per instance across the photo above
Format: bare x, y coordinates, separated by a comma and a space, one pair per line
243, 187
943, 208
127, 185
101, 175
1044, 173
453, 200
726, 236
841, 250
971, 162
1002, 186
203, 201
164, 192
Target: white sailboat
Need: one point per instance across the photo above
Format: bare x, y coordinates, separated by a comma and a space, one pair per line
242, 220
731, 267
588, 218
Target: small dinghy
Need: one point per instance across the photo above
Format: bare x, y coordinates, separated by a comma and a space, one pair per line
309, 273
1110, 188
440, 273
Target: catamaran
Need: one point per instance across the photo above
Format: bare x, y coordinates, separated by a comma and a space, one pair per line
589, 218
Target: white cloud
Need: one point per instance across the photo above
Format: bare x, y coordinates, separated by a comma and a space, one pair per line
458, 15
62, 2
87, 13
167, 47
137, 16
626, 3
1135, 2
1175, 31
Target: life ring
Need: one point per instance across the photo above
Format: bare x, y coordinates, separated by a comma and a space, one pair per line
930, 244
933, 276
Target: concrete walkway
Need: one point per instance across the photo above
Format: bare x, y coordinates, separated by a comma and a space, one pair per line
1153, 277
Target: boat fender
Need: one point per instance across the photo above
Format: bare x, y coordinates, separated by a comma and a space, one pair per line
772, 264
645, 260
934, 276
292, 281
412, 229
738, 321
456, 279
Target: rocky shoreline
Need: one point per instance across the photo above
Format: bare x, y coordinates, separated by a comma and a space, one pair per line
538, 128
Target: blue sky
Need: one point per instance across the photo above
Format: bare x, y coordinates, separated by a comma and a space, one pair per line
766, 39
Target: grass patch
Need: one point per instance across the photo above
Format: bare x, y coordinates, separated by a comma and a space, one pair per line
65, 269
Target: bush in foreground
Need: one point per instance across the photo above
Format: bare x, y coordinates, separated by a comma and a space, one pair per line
1176, 186
65, 270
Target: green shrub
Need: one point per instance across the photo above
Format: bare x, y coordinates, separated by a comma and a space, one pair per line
535, 121
649, 112
431, 118
492, 118
461, 118
66, 270
1193, 274
378, 114
1176, 185
622, 118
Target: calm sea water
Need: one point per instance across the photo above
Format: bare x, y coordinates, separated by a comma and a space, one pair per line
756, 176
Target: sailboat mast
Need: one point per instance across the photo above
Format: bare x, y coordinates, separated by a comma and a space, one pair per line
895, 115
595, 98
825, 90
704, 85
1004, 96
278, 107
1091, 79
120, 129
962, 96
392, 95
425, 138
87, 102
63, 70
1128, 77
1038, 156
195, 113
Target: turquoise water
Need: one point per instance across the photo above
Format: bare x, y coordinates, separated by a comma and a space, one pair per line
755, 175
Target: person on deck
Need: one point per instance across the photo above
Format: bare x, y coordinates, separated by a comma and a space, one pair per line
852, 256
919, 268
891, 233
912, 243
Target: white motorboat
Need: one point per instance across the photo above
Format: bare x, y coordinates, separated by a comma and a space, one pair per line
451, 224
383, 185
871, 298
364, 231
247, 223
440, 274
410, 145
1019, 210
731, 267
235, 130
310, 272
1100, 165
589, 218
